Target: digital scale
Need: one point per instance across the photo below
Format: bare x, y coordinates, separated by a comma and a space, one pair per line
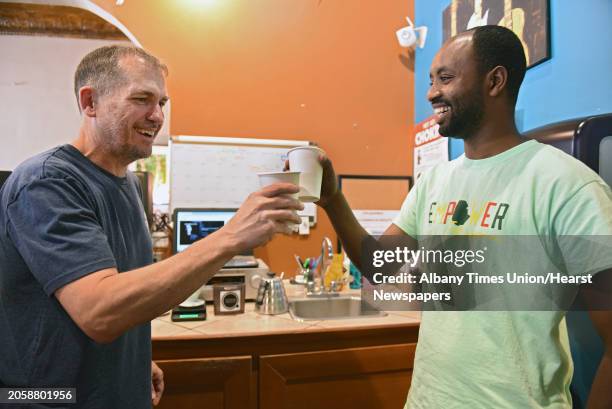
196, 313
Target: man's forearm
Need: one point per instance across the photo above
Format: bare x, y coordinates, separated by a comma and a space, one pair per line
600, 396
140, 295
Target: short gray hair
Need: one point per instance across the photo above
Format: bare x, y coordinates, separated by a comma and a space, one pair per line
100, 68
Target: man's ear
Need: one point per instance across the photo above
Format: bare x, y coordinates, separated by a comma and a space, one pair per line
86, 101
497, 80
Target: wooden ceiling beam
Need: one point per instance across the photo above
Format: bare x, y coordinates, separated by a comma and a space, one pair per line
55, 21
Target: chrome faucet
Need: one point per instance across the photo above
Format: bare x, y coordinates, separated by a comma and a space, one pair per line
327, 255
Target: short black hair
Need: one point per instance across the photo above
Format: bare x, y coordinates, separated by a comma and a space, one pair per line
498, 45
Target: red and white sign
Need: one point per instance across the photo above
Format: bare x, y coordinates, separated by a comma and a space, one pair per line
430, 148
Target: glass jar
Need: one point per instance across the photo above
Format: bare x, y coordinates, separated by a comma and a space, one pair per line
161, 245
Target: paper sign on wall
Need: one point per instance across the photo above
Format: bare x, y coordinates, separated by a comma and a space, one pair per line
430, 148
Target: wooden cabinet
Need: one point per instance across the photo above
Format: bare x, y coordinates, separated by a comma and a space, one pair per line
361, 368
374, 377
208, 383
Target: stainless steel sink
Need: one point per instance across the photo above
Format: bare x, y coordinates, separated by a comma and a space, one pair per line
329, 308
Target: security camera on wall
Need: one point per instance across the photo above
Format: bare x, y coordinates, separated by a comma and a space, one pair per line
410, 36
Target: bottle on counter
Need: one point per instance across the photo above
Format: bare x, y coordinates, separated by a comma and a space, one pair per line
335, 273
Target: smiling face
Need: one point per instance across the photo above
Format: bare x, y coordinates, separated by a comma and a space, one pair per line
456, 90
129, 116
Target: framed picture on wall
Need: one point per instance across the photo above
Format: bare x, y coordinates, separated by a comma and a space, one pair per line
529, 19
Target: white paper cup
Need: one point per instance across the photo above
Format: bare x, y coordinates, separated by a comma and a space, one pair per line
270, 178
305, 159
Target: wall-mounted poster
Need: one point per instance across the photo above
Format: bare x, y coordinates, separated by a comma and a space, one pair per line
430, 148
529, 19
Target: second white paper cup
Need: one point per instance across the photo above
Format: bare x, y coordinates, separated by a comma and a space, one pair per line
270, 178
305, 159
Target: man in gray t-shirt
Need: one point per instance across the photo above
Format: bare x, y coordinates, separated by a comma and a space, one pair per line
77, 285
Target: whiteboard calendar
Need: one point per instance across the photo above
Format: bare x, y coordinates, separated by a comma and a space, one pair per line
221, 172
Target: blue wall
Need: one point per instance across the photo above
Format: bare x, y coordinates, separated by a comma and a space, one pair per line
575, 82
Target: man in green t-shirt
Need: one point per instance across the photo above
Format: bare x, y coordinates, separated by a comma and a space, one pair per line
502, 185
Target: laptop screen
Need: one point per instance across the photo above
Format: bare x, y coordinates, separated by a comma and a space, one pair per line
191, 225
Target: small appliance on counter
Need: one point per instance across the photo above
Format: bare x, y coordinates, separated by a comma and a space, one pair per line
250, 277
189, 313
228, 299
192, 309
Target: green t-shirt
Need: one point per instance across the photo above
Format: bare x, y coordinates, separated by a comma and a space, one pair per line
503, 359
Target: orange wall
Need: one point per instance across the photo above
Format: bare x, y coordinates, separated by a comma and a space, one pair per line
328, 71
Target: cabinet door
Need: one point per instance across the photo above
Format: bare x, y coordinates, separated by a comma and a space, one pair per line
372, 377
211, 383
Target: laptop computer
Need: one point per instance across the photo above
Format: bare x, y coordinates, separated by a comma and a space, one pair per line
193, 224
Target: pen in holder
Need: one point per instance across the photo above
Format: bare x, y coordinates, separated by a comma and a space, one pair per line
306, 268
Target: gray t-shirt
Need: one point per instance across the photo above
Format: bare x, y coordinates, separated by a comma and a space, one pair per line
61, 218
